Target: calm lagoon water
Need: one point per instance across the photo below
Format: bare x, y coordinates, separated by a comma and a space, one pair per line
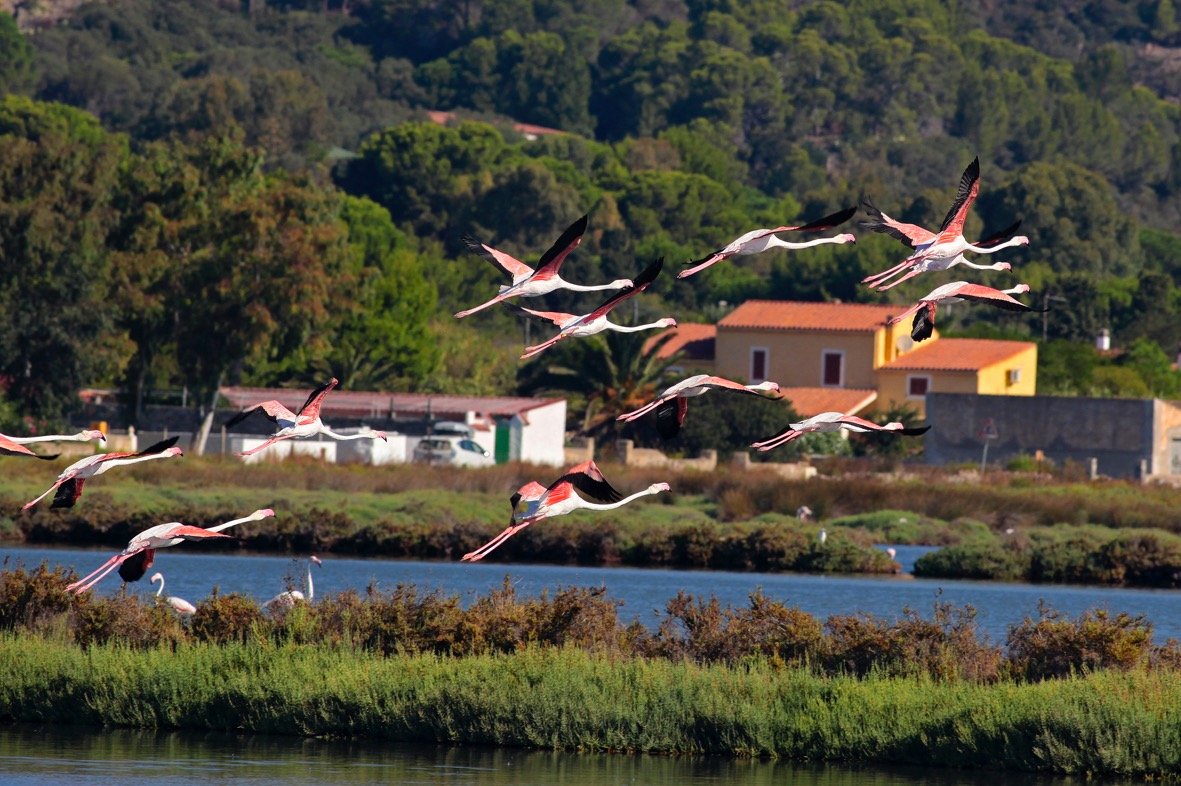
49, 756
191, 574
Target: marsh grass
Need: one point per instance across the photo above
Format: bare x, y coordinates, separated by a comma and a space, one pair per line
1126, 724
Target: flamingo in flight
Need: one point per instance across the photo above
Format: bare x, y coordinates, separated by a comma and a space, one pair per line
924, 310
133, 562
759, 240
834, 421
596, 321
291, 597
304, 423
940, 250
530, 282
71, 480
916, 237
673, 403
179, 605
533, 502
15, 446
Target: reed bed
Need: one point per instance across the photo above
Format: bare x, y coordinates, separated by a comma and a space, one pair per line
565, 699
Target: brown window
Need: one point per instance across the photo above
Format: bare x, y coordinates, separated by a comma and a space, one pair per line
833, 364
917, 387
758, 364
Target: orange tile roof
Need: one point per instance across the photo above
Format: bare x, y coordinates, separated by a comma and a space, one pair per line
695, 338
796, 315
812, 401
957, 354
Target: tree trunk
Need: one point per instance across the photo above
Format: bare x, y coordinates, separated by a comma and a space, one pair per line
202, 435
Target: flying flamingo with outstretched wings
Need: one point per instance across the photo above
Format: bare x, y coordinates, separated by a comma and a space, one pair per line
133, 561
71, 480
534, 502
530, 282
924, 310
574, 325
758, 240
294, 425
940, 250
834, 421
672, 404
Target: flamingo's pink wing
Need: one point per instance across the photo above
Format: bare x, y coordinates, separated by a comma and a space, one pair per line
994, 297
311, 408
557, 317
509, 264
639, 284
909, 234
953, 223
551, 260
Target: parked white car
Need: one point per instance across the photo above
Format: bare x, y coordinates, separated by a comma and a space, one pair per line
451, 451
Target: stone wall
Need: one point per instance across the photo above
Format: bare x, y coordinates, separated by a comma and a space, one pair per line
1118, 433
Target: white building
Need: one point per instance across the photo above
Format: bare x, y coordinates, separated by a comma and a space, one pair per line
511, 428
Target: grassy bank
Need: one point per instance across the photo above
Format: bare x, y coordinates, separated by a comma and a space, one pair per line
1100, 724
1111, 533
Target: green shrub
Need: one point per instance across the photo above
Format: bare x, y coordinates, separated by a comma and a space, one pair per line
1055, 646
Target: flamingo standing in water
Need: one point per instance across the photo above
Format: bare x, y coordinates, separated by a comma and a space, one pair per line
133, 561
672, 404
534, 502
596, 321
70, 482
833, 421
924, 310
528, 282
291, 597
940, 250
759, 240
179, 605
294, 425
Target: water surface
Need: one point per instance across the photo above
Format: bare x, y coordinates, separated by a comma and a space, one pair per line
191, 574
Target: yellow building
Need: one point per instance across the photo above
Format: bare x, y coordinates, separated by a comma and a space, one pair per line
849, 346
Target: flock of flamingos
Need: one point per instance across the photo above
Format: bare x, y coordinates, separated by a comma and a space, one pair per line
929, 251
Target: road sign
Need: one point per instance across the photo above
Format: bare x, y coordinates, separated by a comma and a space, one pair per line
988, 430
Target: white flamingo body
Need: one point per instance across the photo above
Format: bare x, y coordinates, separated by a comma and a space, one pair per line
530, 282
179, 605
289, 598
832, 421
757, 241
672, 405
68, 485
297, 425
944, 249
534, 502
140, 550
581, 325
955, 292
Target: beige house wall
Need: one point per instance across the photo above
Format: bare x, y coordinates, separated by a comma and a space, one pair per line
794, 357
1166, 429
893, 384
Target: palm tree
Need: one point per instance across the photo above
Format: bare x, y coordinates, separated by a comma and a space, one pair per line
603, 376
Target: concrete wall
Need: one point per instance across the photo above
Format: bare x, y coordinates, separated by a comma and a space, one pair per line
543, 436
1117, 432
628, 454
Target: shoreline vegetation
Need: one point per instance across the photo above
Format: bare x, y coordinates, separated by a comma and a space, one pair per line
1087, 696
1005, 526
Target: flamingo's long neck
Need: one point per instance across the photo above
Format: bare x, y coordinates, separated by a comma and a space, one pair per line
310, 587
613, 505
591, 287
1013, 241
103, 467
1017, 290
328, 432
632, 328
160, 591
839, 239
50, 438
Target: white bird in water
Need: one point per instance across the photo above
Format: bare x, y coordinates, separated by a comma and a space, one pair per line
533, 502
822, 536
528, 282
296, 425
289, 598
179, 605
573, 325
759, 240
